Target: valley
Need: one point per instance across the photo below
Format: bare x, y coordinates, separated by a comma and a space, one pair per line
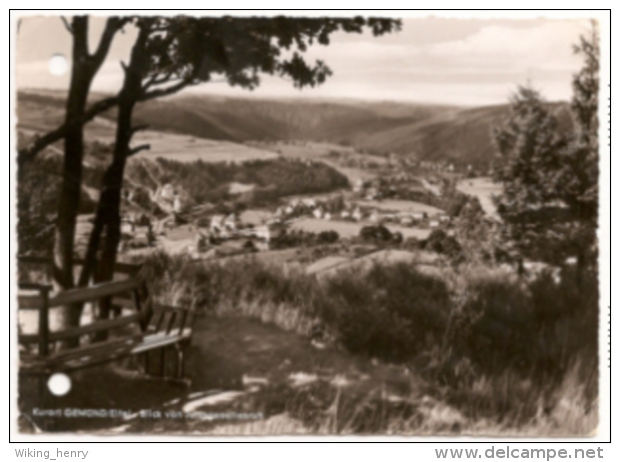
326, 248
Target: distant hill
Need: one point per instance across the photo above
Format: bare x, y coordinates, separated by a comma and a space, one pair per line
429, 132
253, 119
463, 136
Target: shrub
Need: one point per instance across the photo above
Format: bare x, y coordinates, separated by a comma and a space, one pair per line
494, 327
397, 237
376, 233
440, 242
541, 329
566, 318
412, 243
327, 237
392, 312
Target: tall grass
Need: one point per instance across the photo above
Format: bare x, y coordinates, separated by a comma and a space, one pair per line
495, 352
274, 294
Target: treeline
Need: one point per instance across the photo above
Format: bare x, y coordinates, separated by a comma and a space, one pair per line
272, 179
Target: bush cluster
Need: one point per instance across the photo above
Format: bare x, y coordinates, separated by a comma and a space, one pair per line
494, 347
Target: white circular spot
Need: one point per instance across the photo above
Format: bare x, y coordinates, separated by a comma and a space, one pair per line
58, 65
59, 384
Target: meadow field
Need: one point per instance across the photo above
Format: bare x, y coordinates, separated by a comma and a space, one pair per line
401, 206
349, 229
184, 148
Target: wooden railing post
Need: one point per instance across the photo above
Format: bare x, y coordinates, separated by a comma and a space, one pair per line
44, 322
145, 303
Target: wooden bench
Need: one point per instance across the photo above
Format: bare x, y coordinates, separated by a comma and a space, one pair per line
139, 327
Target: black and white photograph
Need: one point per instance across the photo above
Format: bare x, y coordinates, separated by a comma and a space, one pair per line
308, 224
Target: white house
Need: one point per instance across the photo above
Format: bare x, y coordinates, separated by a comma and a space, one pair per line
177, 205
318, 213
167, 192
263, 232
216, 225
309, 202
127, 227
231, 222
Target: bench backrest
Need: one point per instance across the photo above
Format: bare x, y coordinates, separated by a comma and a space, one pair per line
129, 295
44, 265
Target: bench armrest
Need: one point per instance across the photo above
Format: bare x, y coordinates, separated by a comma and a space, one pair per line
164, 308
34, 286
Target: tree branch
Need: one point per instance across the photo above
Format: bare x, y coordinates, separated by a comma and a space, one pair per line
67, 25
165, 91
112, 26
155, 80
137, 149
28, 153
159, 28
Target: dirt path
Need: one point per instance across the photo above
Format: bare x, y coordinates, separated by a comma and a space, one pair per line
237, 365
225, 350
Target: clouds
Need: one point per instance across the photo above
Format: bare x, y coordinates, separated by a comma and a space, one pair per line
486, 65
450, 61
546, 46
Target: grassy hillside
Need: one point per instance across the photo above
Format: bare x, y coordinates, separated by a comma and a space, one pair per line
252, 119
460, 135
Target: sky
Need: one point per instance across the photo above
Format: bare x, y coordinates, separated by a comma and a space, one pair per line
468, 62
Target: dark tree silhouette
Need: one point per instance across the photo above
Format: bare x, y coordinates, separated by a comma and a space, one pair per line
550, 197
169, 54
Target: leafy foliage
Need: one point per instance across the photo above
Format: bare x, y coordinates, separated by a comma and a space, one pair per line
440, 242
240, 49
477, 235
394, 314
531, 149
550, 196
37, 191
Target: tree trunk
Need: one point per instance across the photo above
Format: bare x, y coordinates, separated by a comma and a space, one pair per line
109, 208
69, 199
83, 69
109, 200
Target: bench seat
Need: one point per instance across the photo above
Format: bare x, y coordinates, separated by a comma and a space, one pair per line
140, 328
